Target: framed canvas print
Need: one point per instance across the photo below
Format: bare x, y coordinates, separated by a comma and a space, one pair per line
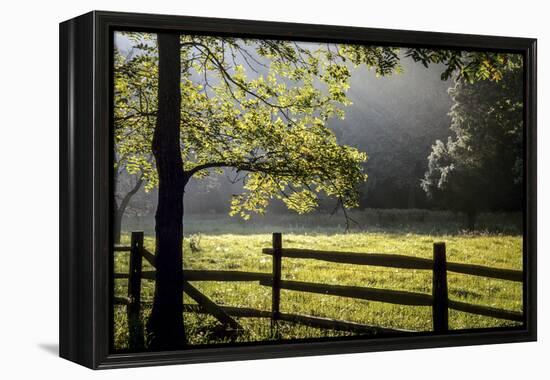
237, 189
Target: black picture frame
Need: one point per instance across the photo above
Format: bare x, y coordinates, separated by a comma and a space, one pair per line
86, 186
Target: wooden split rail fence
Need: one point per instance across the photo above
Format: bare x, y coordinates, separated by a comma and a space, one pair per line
438, 300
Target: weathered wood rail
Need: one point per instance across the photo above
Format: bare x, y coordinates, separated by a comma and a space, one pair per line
397, 261
438, 265
438, 300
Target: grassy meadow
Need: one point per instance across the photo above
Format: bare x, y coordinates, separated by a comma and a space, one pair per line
241, 249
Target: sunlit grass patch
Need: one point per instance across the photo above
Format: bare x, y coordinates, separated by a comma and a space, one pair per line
244, 253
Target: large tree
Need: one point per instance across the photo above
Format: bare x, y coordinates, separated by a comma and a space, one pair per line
260, 108
166, 321
479, 167
270, 127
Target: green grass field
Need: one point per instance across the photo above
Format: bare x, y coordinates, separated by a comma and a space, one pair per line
243, 251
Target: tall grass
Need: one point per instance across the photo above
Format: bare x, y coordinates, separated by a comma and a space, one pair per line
242, 251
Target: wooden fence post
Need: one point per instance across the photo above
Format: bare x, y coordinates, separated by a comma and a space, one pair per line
440, 308
135, 325
276, 284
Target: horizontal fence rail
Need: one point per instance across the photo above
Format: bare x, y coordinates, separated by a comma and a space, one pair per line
438, 300
375, 259
481, 271
371, 294
209, 275
397, 261
486, 311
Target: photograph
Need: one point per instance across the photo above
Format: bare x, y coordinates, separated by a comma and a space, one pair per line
275, 191
278, 190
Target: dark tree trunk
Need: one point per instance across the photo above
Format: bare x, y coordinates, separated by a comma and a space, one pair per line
165, 325
117, 225
120, 209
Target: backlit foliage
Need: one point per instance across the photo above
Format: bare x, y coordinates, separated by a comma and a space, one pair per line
260, 108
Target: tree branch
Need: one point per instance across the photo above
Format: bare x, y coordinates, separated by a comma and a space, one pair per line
130, 194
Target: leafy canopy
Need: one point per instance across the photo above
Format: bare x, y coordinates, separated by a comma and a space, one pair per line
480, 166
261, 108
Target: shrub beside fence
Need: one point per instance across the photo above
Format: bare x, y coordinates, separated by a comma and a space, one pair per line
438, 300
